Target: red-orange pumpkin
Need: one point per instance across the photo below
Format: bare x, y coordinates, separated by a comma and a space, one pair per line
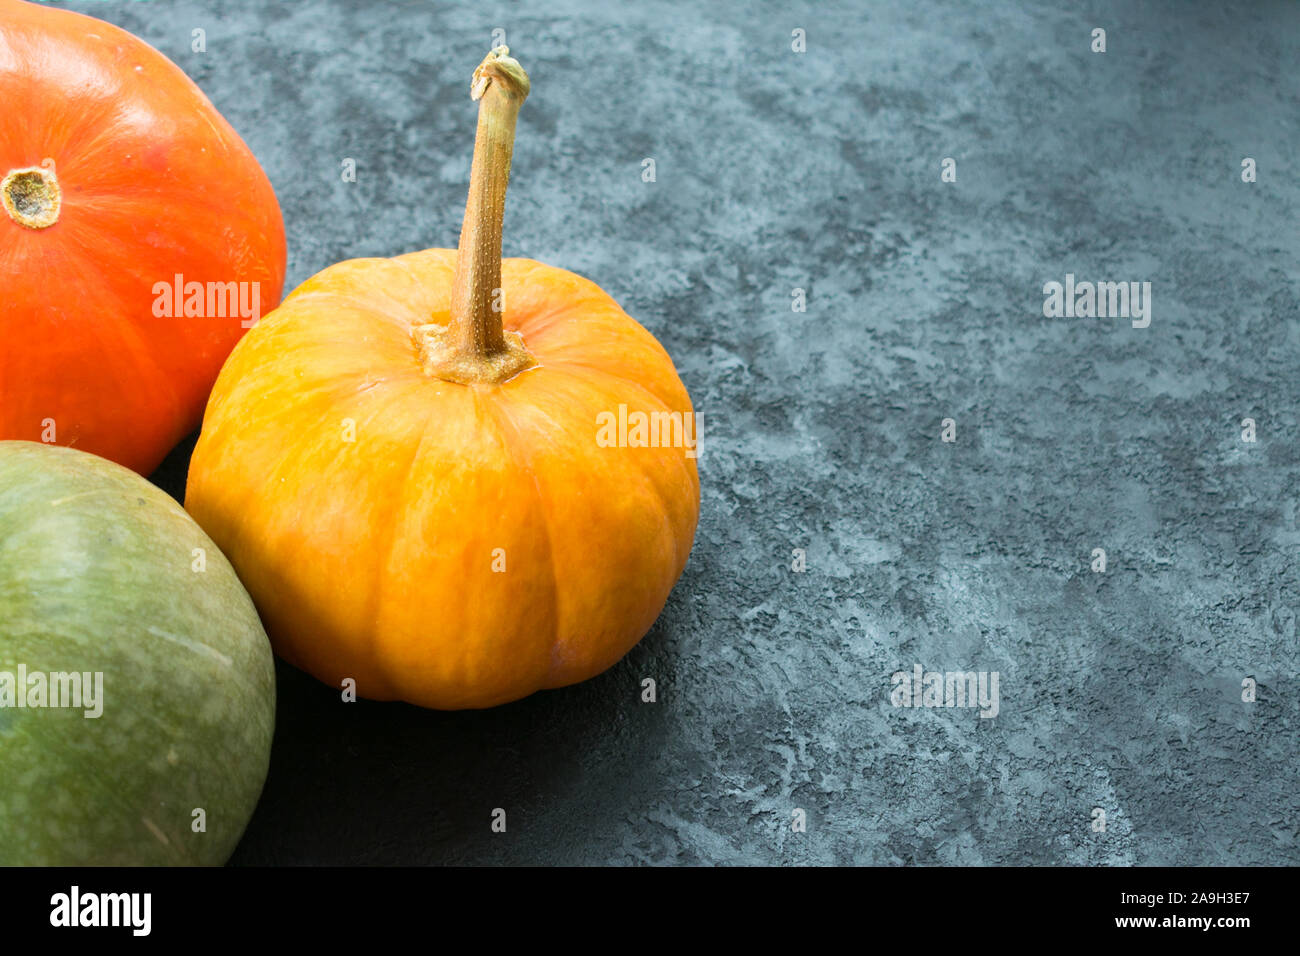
450, 504
126, 199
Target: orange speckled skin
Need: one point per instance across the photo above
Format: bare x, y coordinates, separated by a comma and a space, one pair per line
372, 559
154, 184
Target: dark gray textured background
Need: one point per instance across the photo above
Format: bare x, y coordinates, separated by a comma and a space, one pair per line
821, 171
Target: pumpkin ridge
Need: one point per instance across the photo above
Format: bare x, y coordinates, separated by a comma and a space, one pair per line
603, 394
138, 346
358, 297
105, 216
381, 567
303, 391
564, 365
554, 305
325, 276
617, 321
240, 533
411, 262
684, 462
129, 339
357, 302
91, 232
503, 418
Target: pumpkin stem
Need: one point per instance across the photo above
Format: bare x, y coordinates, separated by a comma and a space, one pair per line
474, 347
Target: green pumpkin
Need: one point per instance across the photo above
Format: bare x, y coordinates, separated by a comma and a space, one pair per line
102, 573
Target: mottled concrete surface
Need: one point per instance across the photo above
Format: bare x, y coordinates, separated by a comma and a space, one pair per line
821, 171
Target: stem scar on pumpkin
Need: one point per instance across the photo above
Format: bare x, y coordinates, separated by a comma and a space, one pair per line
473, 347
32, 196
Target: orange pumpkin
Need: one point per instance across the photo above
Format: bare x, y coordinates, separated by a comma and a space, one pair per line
139, 239
439, 474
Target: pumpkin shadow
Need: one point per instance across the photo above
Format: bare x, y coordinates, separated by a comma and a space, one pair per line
171, 474
377, 783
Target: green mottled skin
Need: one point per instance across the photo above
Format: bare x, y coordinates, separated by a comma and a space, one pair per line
96, 575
